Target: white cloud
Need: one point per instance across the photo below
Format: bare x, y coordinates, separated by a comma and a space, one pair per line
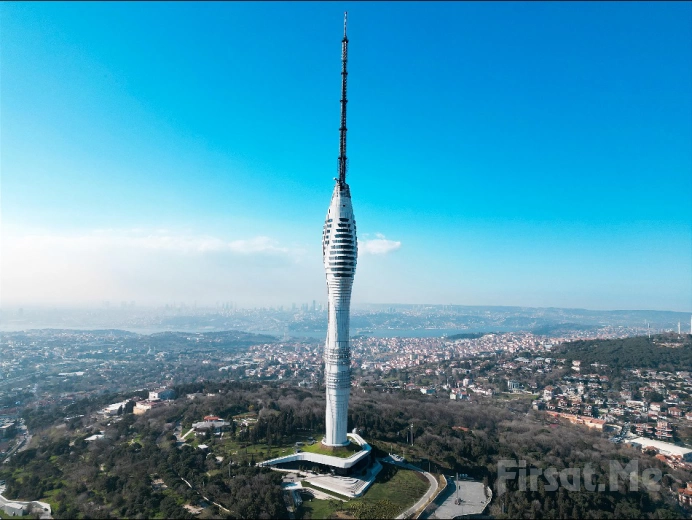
163, 265
145, 265
141, 239
256, 245
378, 246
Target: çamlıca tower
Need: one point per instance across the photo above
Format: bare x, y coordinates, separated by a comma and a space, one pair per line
339, 253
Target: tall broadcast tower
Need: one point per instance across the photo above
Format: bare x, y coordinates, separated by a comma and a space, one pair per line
339, 253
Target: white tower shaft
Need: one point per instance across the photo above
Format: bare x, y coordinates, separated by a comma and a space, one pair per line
339, 254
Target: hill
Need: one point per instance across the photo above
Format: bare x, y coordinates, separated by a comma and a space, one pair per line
665, 352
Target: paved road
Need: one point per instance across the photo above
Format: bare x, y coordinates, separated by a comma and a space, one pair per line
27, 441
16, 447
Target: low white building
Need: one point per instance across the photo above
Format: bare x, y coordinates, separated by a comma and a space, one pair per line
162, 393
112, 409
15, 509
211, 426
664, 448
458, 395
143, 407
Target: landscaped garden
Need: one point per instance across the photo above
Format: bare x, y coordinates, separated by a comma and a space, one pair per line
393, 492
340, 451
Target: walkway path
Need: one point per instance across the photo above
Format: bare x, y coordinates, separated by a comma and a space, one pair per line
17, 447
424, 499
205, 498
429, 494
27, 441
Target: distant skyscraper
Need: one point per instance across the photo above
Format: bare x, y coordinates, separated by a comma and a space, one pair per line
339, 253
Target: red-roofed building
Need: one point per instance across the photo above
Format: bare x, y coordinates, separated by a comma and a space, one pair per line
663, 430
685, 495
643, 428
580, 419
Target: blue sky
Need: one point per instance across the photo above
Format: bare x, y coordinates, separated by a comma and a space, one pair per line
535, 154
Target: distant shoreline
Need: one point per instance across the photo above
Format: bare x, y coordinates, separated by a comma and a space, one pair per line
377, 333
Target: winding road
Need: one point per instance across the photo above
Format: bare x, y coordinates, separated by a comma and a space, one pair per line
429, 494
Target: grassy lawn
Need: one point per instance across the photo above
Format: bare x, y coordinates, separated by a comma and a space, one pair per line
242, 452
317, 509
343, 452
236, 450
394, 491
400, 486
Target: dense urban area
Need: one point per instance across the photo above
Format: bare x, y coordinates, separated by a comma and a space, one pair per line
110, 423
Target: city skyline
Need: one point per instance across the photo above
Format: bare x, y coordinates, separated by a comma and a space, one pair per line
539, 158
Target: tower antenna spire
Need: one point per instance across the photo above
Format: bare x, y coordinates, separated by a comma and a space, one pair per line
342, 129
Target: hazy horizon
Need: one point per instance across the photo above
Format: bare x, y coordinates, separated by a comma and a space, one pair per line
379, 320
133, 305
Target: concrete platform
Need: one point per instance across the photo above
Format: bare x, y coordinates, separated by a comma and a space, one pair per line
473, 500
348, 486
327, 460
351, 487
